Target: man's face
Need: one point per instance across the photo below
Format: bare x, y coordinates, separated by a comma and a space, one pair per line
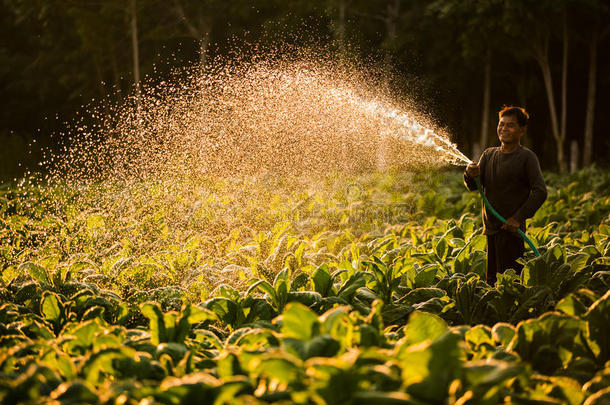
509, 131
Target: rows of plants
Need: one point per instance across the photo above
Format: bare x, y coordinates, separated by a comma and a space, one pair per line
366, 290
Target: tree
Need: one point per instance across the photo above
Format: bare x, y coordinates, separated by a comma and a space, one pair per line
481, 33
533, 25
596, 17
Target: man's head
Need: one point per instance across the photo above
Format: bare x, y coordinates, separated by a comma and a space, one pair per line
518, 112
512, 125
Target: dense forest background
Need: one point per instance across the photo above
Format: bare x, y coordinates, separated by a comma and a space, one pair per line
460, 60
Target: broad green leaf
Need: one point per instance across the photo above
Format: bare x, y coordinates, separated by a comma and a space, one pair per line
488, 379
75, 392
175, 350
571, 305
384, 398
322, 281
95, 223
598, 319
9, 274
549, 342
568, 389
425, 276
100, 364
349, 288
85, 334
503, 333
51, 307
308, 298
339, 325
319, 346
428, 369
479, 335
195, 314
253, 338
281, 368
229, 312
422, 294
37, 272
442, 249
268, 289
299, 322
423, 326
158, 330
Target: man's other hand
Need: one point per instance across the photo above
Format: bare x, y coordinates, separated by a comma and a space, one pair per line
511, 225
473, 170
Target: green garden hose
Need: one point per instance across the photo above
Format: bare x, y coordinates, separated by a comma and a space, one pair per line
501, 218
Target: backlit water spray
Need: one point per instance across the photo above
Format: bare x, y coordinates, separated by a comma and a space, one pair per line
270, 117
217, 161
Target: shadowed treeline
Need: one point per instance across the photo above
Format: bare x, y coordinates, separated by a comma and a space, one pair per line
458, 60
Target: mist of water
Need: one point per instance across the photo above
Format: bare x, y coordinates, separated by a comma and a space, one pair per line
266, 117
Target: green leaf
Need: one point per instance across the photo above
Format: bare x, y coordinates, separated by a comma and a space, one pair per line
299, 322
100, 364
384, 398
76, 392
425, 276
157, 327
598, 319
349, 288
281, 367
503, 333
571, 305
309, 298
442, 249
423, 326
84, 334
479, 335
322, 281
228, 311
95, 223
429, 369
51, 307
487, 379
549, 342
37, 272
421, 294
268, 289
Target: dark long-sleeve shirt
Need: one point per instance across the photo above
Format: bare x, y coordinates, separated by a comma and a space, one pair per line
513, 184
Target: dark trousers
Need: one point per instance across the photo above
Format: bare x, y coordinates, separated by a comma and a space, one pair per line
503, 250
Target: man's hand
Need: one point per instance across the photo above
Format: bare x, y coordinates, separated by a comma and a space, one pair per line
473, 170
511, 225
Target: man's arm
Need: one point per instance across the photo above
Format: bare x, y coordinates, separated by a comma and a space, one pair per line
538, 192
472, 171
469, 180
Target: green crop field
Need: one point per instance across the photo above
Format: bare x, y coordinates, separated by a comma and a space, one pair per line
361, 290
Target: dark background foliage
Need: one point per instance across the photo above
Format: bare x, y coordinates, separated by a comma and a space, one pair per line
58, 55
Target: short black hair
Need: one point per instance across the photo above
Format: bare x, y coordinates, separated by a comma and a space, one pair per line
519, 112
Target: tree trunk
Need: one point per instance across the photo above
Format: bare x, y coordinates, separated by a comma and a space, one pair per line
592, 88
541, 54
485, 108
564, 79
340, 29
573, 156
203, 48
135, 51
134, 43
201, 30
391, 21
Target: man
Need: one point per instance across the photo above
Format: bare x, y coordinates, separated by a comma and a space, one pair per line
512, 182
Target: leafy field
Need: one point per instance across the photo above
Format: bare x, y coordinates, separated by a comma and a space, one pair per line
362, 290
